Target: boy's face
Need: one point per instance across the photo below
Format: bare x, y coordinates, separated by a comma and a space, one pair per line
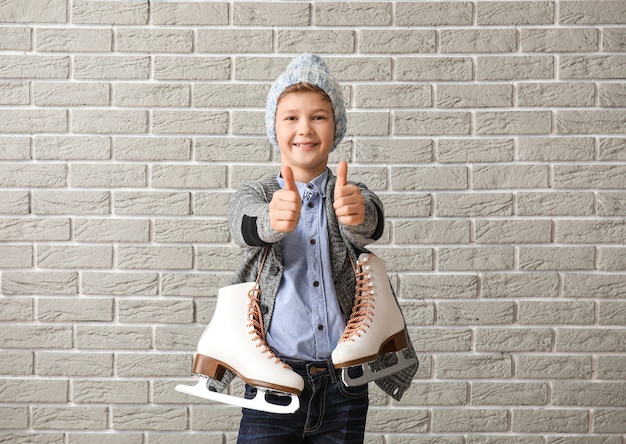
305, 131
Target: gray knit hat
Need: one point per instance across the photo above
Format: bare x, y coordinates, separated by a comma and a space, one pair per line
307, 68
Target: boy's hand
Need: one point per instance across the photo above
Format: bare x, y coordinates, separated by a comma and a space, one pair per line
286, 204
349, 203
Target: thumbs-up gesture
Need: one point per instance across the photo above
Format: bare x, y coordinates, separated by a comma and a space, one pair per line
349, 203
286, 204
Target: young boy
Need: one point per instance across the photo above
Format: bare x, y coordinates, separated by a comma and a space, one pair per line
313, 224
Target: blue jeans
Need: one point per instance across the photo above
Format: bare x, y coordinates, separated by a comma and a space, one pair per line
329, 413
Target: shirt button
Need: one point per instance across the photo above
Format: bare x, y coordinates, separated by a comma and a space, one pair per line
316, 283
310, 205
320, 327
313, 241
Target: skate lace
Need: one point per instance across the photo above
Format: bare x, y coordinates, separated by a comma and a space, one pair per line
255, 318
362, 311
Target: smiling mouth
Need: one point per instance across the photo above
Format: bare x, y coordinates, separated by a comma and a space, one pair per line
305, 145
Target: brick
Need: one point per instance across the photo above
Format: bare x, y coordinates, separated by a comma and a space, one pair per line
434, 13
111, 230
14, 417
105, 121
362, 69
392, 96
56, 363
16, 39
134, 311
478, 40
16, 310
406, 259
194, 438
613, 39
159, 40
14, 202
108, 391
435, 393
612, 313
556, 312
178, 338
227, 95
612, 95
590, 12
612, 149
39, 282
35, 336
439, 286
231, 149
549, 420
584, 439
16, 362
34, 67
75, 310
402, 420
510, 176
608, 420
506, 393
432, 232
94, 175
106, 438
33, 390
474, 96
318, 41
372, 41
151, 96
152, 203
149, 418
41, 11
475, 313
592, 67
87, 67
475, 258
189, 13
611, 203
105, 12
473, 204
429, 178
515, 13
425, 68
272, 14
513, 122
590, 231
33, 121
591, 340
74, 257
513, 231
559, 40
368, 124
191, 231
189, 122
474, 150
71, 148
612, 258
406, 205
70, 418
210, 204
248, 123
32, 175
113, 337
14, 148
119, 284
562, 94
554, 203
604, 394
32, 438
487, 366
556, 149
431, 122
152, 148
147, 365
611, 367
188, 176
534, 67
541, 366
73, 40
70, 202
137, 257
557, 258
590, 122
191, 68
23, 229
356, 14
588, 285
16, 256
14, 93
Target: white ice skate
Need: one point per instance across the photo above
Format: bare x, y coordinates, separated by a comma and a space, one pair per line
376, 327
235, 340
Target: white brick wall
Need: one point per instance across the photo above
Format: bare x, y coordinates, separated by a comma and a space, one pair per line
494, 131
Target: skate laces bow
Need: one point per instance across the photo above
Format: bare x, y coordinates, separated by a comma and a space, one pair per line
362, 311
255, 318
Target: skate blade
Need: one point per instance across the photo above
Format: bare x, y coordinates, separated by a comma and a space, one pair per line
257, 403
369, 376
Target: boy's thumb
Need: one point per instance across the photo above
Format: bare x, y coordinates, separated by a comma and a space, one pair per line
342, 174
290, 182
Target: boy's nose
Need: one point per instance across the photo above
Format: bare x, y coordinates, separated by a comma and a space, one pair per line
304, 127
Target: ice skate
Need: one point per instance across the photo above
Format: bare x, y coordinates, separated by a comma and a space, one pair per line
235, 340
376, 327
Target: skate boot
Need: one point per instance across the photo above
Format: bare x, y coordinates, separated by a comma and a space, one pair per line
235, 340
376, 326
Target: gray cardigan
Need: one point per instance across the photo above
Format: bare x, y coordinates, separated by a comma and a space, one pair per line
250, 227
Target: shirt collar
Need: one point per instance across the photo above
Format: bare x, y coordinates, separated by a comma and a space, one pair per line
319, 184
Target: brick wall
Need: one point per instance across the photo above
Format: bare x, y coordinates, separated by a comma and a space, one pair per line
494, 132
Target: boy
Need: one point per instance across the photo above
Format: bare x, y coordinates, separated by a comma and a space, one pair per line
313, 224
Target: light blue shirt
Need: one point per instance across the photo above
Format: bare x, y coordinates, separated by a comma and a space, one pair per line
307, 321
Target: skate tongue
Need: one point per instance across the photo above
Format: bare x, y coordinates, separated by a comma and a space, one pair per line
259, 402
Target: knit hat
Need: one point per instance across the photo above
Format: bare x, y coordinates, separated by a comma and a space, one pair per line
307, 68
